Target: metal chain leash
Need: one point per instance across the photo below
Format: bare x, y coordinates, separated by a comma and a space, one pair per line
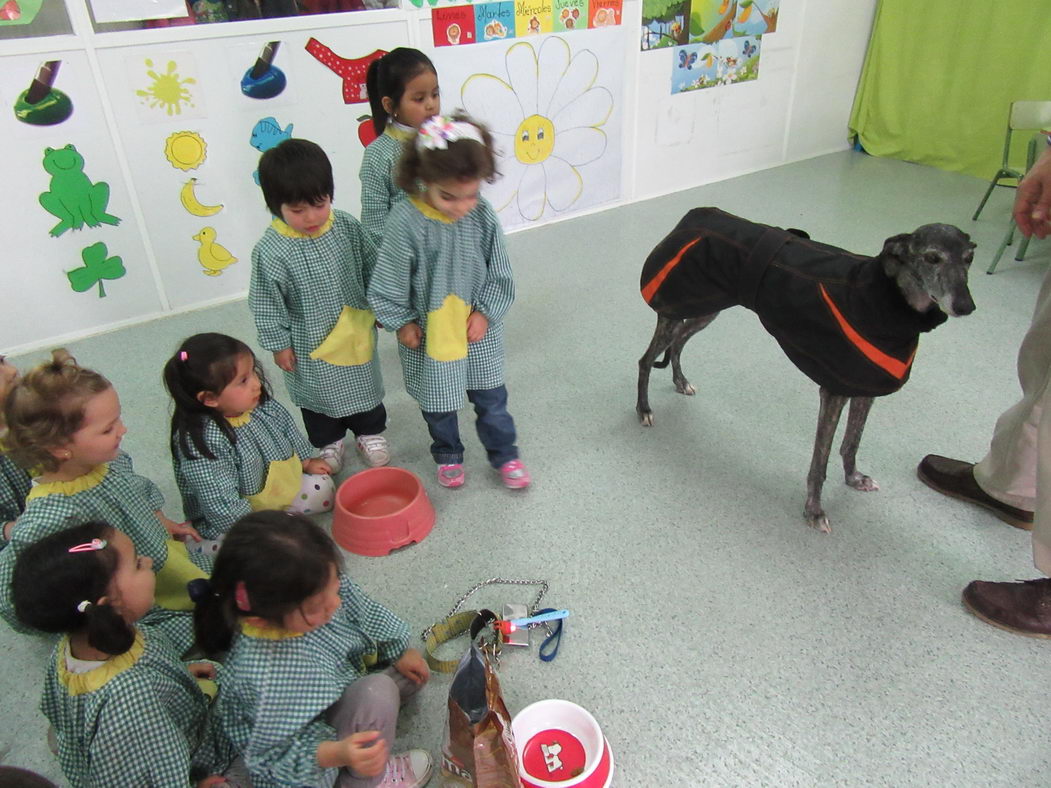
491, 582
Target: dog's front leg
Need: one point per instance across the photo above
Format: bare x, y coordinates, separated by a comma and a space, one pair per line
827, 421
859, 412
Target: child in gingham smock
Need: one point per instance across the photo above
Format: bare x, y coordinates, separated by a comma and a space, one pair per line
235, 449
65, 420
443, 282
316, 671
403, 92
14, 480
310, 272
125, 710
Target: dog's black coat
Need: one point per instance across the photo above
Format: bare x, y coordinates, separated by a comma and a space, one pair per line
726, 261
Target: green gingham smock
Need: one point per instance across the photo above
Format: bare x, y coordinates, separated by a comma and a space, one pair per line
138, 719
424, 258
278, 686
379, 192
214, 492
112, 493
14, 485
298, 288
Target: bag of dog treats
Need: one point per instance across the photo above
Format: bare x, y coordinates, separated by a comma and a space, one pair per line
478, 750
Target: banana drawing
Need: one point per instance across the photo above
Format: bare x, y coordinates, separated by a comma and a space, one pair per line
189, 201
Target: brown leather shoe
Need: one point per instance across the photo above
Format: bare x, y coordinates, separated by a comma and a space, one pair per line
1023, 608
955, 478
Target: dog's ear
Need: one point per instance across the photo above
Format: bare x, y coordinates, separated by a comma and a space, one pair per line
896, 249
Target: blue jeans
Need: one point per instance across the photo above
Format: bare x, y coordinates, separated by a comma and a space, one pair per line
496, 429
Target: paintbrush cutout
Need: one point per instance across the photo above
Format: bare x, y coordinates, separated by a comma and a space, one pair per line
41, 104
264, 80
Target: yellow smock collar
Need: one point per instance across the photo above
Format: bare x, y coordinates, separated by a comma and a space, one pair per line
240, 421
430, 212
283, 229
399, 132
81, 683
268, 632
90, 479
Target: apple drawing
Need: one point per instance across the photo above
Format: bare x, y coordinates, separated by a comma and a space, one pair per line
366, 131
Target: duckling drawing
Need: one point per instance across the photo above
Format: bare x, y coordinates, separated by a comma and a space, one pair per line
212, 256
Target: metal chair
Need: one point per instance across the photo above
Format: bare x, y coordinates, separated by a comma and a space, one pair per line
1024, 115
1038, 141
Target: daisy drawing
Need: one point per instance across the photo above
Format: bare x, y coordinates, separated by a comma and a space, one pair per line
546, 118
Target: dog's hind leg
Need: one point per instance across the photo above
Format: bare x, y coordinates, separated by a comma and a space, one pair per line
859, 412
662, 338
827, 421
683, 332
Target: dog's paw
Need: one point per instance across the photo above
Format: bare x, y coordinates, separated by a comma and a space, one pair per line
646, 418
860, 481
818, 521
685, 387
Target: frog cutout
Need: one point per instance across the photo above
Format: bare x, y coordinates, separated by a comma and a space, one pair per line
73, 198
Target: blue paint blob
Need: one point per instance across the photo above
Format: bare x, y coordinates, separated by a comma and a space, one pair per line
271, 83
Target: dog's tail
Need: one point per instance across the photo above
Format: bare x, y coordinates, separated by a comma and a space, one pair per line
664, 361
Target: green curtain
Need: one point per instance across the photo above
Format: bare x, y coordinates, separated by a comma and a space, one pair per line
940, 75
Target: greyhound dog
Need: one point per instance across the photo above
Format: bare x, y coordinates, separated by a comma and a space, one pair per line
851, 323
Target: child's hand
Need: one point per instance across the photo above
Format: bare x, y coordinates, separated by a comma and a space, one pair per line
413, 666
8, 528
477, 325
366, 753
316, 465
202, 670
286, 359
410, 335
178, 531
212, 781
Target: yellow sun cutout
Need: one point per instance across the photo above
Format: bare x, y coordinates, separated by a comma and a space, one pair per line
185, 150
534, 139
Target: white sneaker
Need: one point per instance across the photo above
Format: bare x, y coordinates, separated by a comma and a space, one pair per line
374, 449
410, 769
333, 455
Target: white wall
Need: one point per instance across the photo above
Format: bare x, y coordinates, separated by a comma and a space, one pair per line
798, 108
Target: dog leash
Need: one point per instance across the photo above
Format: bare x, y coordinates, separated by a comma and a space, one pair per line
457, 623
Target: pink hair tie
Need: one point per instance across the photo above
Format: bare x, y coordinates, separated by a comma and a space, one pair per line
183, 355
88, 547
241, 597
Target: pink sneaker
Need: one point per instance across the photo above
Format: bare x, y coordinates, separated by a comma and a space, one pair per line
451, 475
410, 769
515, 475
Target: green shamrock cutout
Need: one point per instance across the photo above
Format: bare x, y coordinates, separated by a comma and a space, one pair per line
96, 268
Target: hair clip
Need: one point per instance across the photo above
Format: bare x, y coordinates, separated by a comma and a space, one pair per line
183, 355
437, 132
88, 547
82, 607
200, 589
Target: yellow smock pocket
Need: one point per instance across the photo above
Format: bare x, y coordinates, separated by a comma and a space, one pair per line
283, 480
178, 570
447, 330
350, 343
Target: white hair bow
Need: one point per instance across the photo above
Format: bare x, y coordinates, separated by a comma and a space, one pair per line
437, 132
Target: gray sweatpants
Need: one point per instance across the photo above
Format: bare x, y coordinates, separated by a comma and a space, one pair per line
370, 704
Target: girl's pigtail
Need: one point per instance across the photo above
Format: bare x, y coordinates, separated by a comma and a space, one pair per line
213, 617
106, 629
372, 88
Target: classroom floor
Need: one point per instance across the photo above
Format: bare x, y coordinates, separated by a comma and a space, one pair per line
716, 638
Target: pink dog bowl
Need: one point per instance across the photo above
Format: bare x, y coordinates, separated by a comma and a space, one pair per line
381, 509
561, 746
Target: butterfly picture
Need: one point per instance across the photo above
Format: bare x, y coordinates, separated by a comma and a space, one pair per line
687, 59
749, 49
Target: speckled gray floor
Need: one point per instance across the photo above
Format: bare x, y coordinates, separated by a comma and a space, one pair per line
716, 638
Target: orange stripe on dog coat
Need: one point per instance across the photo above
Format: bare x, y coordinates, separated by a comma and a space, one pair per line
655, 283
888, 364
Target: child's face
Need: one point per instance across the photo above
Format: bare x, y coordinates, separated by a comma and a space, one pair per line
305, 217
421, 100
455, 198
132, 587
239, 395
316, 610
8, 376
98, 439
